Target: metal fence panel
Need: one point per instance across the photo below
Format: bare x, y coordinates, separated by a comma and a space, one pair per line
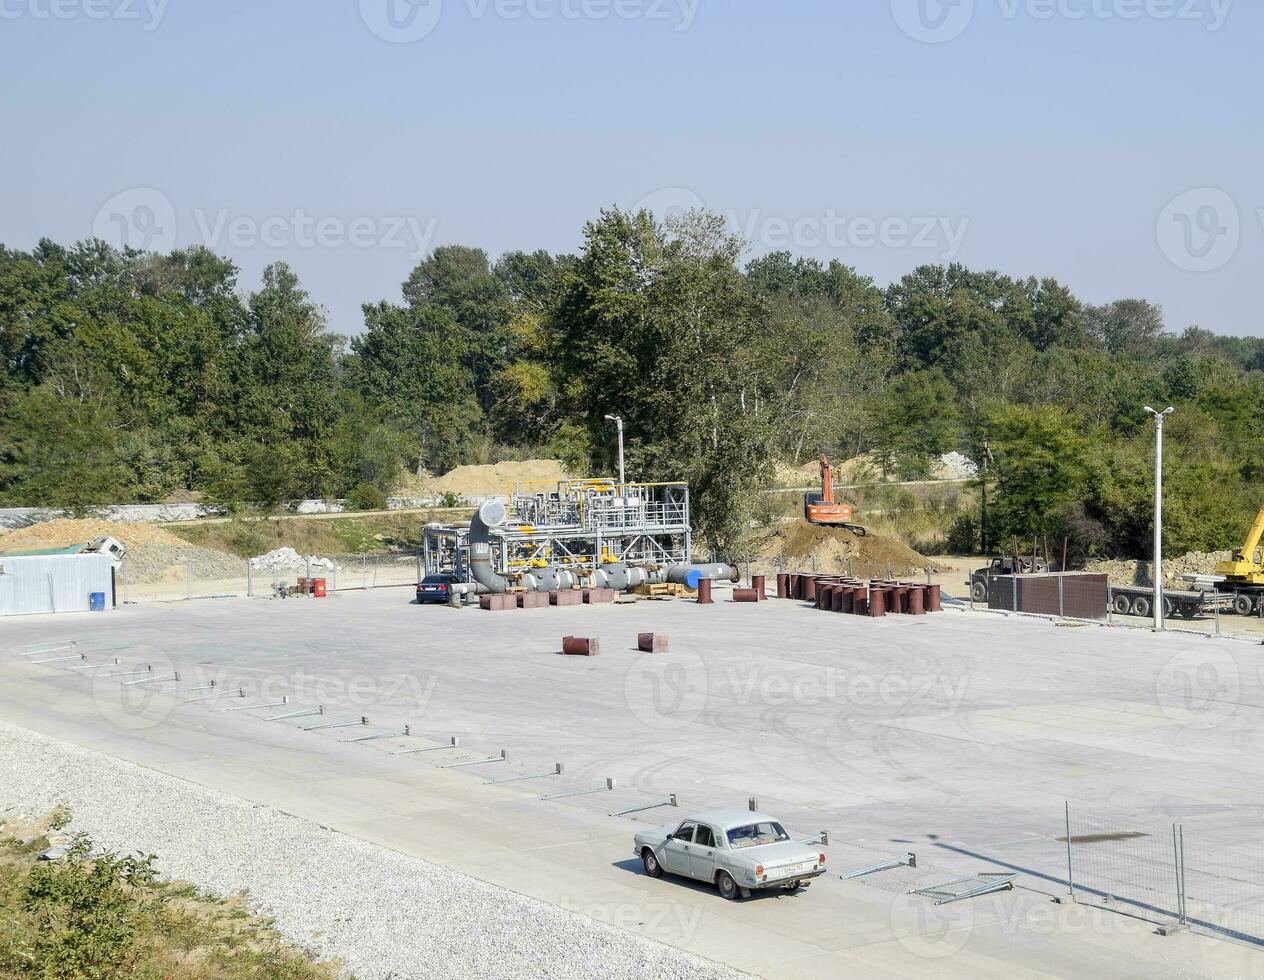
1120, 865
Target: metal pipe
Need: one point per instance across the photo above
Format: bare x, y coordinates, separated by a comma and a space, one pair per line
490, 514
691, 575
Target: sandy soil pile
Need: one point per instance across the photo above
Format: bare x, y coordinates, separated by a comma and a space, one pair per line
153, 554
796, 544
497, 478
64, 532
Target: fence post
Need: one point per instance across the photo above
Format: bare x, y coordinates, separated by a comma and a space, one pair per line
1180, 884
1110, 603
364, 572
1180, 836
125, 576
418, 564
1070, 872
1061, 605
1014, 580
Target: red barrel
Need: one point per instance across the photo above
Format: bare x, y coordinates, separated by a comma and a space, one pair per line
900, 599
783, 585
877, 602
318, 588
934, 599
704, 592
760, 584
809, 588
745, 595
917, 600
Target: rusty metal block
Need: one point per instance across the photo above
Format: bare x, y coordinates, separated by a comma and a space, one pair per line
745, 595
651, 642
704, 592
580, 646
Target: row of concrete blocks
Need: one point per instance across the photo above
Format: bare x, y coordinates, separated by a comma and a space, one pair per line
590, 646
539, 600
849, 595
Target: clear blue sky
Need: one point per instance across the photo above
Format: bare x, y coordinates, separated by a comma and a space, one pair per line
1034, 144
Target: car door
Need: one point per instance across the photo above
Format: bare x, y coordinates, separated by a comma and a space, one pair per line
702, 854
676, 850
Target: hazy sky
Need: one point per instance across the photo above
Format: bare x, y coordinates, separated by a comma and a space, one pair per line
1109, 143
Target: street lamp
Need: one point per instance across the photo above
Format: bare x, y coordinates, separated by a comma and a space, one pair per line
618, 420
1158, 512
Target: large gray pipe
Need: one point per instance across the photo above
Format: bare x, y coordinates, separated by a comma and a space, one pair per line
491, 514
691, 575
621, 577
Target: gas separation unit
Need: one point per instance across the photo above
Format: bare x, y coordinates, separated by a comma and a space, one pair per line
574, 533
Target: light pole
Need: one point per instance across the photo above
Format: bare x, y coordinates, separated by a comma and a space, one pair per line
618, 420
1158, 512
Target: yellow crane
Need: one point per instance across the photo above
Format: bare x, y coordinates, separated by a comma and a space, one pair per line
1245, 568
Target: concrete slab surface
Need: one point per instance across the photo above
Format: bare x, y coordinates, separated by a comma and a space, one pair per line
962, 737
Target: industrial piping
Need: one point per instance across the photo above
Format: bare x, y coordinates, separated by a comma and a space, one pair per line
618, 576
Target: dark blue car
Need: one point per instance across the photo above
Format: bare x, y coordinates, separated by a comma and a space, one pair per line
436, 588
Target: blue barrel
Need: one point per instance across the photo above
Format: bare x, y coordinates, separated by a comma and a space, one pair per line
96, 601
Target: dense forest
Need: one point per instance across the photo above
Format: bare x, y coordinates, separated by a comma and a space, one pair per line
131, 376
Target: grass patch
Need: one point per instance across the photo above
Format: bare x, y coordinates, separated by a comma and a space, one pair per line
378, 535
99, 916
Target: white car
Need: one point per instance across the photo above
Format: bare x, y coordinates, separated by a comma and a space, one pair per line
736, 850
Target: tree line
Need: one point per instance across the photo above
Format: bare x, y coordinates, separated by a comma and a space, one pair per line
131, 376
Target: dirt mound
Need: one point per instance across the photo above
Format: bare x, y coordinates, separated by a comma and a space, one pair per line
797, 544
64, 532
1120, 572
497, 478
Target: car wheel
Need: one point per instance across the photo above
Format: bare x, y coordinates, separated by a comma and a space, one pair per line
652, 867
979, 592
728, 887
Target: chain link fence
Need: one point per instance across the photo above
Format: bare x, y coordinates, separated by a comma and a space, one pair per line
1210, 880
340, 573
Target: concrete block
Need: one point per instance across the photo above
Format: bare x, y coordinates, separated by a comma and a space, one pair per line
570, 597
651, 642
496, 602
532, 600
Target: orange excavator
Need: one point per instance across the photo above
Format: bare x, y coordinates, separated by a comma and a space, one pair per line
821, 508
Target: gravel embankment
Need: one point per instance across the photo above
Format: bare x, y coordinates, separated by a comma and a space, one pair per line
382, 913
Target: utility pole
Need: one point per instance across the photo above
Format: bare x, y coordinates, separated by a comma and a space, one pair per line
1158, 513
618, 420
984, 459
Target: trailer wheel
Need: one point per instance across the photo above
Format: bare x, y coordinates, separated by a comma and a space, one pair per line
978, 592
1141, 606
1243, 605
1169, 607
1121, 604
1189, 610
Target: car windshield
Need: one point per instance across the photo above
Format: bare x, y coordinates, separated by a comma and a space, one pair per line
754, 834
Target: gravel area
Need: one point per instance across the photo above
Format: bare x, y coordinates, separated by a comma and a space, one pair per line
383, 914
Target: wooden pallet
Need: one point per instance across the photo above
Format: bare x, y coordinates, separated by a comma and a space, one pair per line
665, 590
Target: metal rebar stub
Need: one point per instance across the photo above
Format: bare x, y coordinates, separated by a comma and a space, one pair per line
397, 733
555, 771
300, 713
173, 676
582, 792
337, 724
60, 660
430, 748
968, 886
503, 757
53, 646
908, 861
114, 663
285, 699
652, 805
148, 669
237, 693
